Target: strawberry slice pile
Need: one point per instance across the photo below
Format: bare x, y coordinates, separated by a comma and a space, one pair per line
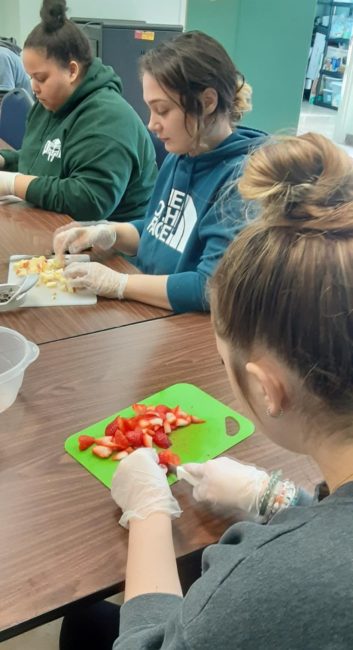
151, 425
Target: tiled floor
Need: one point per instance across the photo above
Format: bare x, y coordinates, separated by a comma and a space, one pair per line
319, 120
312, 118
45, 637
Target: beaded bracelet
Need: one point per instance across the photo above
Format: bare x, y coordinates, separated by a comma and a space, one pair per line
275, 478
285, 494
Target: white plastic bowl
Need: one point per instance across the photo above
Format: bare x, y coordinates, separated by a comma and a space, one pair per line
16, 353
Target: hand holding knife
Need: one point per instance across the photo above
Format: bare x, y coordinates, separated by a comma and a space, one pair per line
181, 473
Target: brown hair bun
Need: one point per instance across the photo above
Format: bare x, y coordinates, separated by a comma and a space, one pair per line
304, 181
53, 14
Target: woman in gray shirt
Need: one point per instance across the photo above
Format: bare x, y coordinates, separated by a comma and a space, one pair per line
282, 305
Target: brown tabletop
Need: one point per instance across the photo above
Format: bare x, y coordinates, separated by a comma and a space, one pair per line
60, 541
28, 230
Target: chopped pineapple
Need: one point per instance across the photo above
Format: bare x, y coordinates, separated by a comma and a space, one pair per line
50, 272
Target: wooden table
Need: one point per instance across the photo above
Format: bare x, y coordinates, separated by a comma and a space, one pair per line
60, 539
28, 230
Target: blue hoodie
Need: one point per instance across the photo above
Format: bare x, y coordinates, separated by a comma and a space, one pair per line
193, 214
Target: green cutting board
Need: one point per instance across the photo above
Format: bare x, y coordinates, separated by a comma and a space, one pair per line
194, 443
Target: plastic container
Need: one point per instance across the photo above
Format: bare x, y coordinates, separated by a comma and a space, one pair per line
16, 353
336, 93
327, 96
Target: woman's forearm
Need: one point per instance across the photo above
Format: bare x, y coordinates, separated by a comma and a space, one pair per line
127, 238
151, 564
151, 289
22, 182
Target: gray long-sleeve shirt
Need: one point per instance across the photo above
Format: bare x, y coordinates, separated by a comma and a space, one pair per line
12, 72
284, 586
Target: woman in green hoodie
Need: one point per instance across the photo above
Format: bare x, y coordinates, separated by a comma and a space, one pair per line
85, 151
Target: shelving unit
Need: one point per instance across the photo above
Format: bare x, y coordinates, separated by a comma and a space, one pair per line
337, 27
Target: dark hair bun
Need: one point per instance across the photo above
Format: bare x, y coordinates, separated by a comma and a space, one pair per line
53, 14
304, 181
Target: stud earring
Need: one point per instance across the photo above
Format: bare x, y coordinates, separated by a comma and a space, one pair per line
271, 415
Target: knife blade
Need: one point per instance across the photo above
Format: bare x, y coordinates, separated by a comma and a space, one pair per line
181, 473
78, 257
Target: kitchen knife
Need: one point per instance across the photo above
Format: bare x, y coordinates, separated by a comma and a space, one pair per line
180, 472
79, 257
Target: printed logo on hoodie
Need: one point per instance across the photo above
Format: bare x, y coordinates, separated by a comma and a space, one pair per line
52, 149
173, 223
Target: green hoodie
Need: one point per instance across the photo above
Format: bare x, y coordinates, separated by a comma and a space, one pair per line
93, 156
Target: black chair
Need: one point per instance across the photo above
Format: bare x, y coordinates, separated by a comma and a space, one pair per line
159, 148
13, 113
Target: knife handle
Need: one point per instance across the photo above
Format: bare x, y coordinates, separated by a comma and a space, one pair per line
183, 474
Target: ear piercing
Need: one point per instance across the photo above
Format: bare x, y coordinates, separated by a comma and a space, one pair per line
272, 415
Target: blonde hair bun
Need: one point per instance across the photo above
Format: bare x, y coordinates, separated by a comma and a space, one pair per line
305, 181
242, 101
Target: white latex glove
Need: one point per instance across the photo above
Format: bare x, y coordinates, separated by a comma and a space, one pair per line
140, 487
2, 162
226, 482
97, 278
75, 238
7, 183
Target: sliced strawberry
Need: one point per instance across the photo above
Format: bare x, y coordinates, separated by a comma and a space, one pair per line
170, 417
111, 427
149, 420
135, 438
119, 455
162, 410
121, 440
149, 430
147, 440
107, 441
183, 422
167, 427
123, 424
168, 458
139, 409
196, 420
181, 414
101, 451
131, 424
84, 442
162, 440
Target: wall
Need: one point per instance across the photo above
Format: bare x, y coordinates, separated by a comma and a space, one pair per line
153, 11
269, 41
219, 18
18, 17
10, 19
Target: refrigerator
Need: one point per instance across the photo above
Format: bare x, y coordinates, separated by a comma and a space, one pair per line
120, 43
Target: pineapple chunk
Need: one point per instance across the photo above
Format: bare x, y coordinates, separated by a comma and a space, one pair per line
50, 272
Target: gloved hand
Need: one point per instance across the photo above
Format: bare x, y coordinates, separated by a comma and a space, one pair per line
7, 183
2, 162
74, 238
228, 483
96, 277
140, 487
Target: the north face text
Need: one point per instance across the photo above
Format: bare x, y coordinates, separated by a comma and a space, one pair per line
173, 223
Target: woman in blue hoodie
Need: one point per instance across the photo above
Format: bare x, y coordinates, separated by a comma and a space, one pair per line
196, 97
